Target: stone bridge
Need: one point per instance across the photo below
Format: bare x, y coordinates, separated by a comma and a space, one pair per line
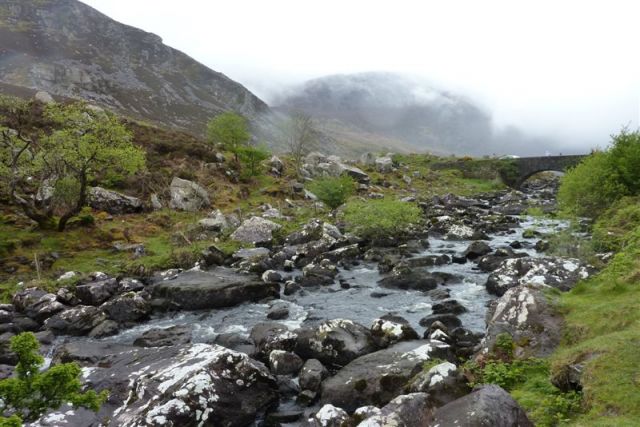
516, 171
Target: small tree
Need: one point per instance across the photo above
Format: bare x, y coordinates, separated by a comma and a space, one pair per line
333, 191
50, 175
251, 158
229, 130
299, 135
31, 392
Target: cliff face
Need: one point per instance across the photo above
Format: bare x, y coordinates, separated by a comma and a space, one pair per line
69, 49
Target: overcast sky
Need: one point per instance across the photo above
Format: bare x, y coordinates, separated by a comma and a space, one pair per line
570, 69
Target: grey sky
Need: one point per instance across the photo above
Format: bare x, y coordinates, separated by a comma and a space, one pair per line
570, 69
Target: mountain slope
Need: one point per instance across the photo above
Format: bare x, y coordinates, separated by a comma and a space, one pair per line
69, 49
387, 106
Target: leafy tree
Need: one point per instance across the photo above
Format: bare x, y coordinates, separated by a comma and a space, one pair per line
333, 191
380, 219
229, 130
251, 158
49, 175
31, 392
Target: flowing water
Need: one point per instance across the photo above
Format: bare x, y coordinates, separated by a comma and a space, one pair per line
314, 305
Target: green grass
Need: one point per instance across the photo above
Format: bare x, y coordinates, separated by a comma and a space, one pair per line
602, 330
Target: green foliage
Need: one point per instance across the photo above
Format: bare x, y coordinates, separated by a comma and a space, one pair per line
85, 145
603, 178
379, 219
333, 192
31, 392
612, 229
529, 383
251, 158
534, 211
230, 130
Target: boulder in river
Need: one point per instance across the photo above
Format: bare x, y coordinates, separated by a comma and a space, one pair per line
526, 314
160, 337
222, 287
559, 273
127, 307
406, 410
390, 329
376, 378
78, 320
335, 342
179, 385
409, 279
443, 382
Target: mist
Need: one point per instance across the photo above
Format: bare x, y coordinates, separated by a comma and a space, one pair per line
546, 73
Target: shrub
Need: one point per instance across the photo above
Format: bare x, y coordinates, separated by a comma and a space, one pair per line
603, 178
379, 219
32, 392
611, 231
251, 158
333, 191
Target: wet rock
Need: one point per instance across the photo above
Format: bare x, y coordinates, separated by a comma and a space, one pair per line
278, 311
488, 405
222, 287
542, 246
460, 232
492, 262
525, 313
449, 320
269, 336
376, 378
335, 342
96, 292
391, 329
181, 385
291, 287
284, 362
276, 419
75, 321
329, 416
160, 337
448, 307
113, 202
271, 276
236, 342
128, 307
104, 329
429, 261
187, 196
477, 249
312, 374
316, 274
443, 383
408, 279
407, 410
559, 273
438, 294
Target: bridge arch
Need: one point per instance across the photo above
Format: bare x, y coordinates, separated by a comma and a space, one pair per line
515, 172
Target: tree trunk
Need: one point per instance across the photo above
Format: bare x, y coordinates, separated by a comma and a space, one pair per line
81, 202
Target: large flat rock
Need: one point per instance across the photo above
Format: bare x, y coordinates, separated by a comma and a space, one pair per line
222, 287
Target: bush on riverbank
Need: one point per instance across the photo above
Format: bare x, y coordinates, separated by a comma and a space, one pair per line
603, 178
331, 191
380, 219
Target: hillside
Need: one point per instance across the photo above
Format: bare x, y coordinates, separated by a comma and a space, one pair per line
401, 111
69, 49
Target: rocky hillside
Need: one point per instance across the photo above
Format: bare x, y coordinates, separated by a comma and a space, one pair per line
395, 111
69, 49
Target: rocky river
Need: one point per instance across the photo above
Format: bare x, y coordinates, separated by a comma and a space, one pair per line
324, 330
